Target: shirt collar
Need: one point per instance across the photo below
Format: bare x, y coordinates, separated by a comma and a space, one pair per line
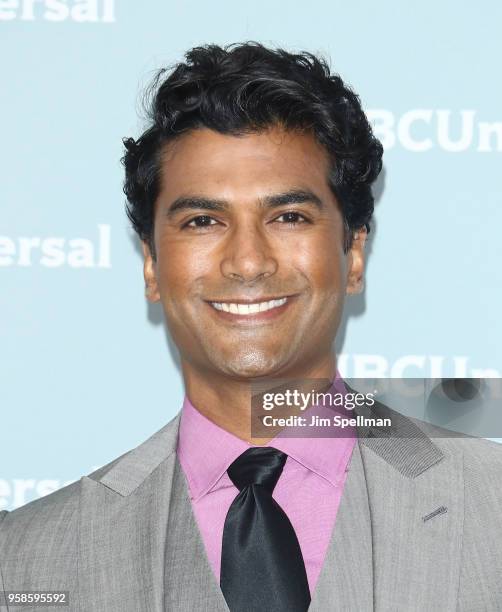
205, 450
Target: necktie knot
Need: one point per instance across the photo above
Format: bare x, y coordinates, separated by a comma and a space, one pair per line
261, 465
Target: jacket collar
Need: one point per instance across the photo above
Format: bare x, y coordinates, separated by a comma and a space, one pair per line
403, 445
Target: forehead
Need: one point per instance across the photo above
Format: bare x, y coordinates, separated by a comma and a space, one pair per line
203, 160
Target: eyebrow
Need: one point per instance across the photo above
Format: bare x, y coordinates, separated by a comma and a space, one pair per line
293, 196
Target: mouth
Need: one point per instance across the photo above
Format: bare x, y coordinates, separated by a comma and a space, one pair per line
245, 310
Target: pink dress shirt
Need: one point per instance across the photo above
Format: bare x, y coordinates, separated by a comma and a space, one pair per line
309, 489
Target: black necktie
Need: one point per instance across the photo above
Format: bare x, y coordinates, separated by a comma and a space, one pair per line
262, 568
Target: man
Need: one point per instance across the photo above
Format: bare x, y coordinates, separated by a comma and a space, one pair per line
251, 193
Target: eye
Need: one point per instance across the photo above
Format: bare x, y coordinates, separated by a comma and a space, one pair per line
292, 218
200, 221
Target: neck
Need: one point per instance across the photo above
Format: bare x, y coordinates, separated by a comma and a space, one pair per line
226, 400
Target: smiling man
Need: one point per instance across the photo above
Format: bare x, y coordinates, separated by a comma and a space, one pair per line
247, 257
251, 193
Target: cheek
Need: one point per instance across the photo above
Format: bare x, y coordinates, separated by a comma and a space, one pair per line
323, 263
182, 269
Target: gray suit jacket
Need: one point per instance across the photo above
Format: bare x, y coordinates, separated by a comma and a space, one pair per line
419, 528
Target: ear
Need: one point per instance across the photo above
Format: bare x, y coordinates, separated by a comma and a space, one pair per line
355, 272
150, 274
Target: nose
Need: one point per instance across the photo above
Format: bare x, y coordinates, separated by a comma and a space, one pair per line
248, 255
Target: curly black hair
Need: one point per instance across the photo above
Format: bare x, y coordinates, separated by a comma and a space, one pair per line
247, 87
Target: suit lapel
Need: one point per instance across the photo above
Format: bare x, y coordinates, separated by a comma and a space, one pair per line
140, 547
415, 494
123, 521
416, 522
396, 543
346, 578
190, 583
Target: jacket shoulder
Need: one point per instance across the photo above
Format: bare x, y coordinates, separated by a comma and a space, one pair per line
38, 542
478, 453
41, 512
48, 523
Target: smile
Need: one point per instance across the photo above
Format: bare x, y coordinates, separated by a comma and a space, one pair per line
248, 309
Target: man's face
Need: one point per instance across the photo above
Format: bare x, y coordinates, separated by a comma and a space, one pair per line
250, 224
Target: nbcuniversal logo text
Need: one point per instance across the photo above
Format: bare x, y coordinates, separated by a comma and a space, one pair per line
81, 11
362, 365
420, 130
57, 252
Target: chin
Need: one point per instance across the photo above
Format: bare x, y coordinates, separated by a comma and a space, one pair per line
250, 365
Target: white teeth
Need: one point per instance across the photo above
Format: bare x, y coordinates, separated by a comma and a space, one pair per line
247, 309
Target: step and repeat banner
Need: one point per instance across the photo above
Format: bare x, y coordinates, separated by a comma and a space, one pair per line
87, 369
